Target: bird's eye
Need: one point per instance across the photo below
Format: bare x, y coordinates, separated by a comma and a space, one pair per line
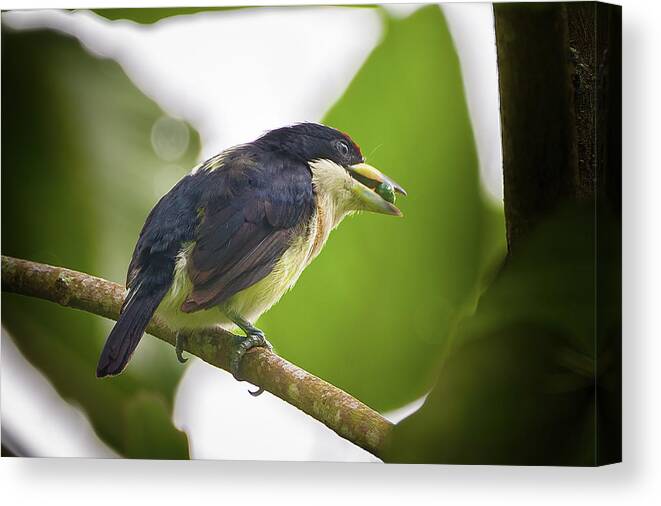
343, 148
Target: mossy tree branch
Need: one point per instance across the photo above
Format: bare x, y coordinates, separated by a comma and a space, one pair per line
348, 417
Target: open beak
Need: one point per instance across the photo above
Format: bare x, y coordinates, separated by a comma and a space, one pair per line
375, 190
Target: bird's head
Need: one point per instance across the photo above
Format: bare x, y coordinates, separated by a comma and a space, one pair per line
338, 167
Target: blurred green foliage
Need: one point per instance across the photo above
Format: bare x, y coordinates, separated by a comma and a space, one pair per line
531, 371
148, 16
374, 312
79, 176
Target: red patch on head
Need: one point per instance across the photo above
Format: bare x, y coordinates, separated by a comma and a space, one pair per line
353, 143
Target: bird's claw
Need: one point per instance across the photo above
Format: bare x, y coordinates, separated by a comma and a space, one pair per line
180, 342
257, 392
242, 345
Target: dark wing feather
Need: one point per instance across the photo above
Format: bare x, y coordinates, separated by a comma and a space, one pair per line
170, 224
253, 210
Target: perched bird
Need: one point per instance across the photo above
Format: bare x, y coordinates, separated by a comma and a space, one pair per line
230, 238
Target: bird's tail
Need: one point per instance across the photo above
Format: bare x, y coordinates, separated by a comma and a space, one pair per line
138, 309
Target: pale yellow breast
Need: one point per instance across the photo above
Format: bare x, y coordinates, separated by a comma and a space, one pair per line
331, 187
255, 300
260, 297
330, 182
252, 302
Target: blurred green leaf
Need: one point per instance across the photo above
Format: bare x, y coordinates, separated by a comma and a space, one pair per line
148, 16
147, 431
524, 385
373, 313
80, 173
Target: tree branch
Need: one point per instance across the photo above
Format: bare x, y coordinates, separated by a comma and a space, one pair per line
348, 417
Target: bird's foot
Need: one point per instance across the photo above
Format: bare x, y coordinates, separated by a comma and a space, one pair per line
252, 339
180, 341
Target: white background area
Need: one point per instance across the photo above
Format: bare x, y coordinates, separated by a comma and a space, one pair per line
636, 481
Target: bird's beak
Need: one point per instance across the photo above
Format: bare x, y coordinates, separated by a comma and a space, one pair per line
368, 178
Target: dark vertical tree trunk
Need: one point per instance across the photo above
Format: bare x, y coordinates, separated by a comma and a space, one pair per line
539, 157
560, 97
559, 77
